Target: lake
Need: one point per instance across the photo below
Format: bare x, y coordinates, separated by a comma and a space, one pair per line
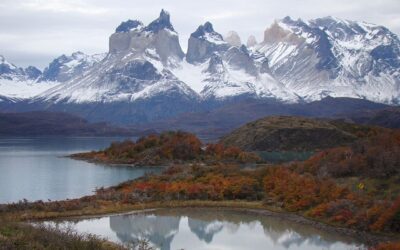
199, 228
36, 169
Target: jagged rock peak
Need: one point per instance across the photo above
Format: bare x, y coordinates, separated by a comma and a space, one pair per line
291, 21
233, 38
162, 22
128, 25
64, 67
204, 29
8, 68
251, 41
276, 32
208, 27
204, 42
4, 61
32, 72
78, 55
287, 19
215, 65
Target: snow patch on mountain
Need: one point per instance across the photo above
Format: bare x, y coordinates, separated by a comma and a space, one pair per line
20, 90
191, 74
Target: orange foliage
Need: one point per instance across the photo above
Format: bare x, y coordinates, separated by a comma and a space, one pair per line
387, 246
299, 192
376, 156
171, 146
217, 183
389, 218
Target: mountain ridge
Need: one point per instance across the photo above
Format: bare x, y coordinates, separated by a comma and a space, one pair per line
146, 73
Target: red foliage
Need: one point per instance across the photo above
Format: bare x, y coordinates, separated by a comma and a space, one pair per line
180, 146
387, 246
218, 183
299, 192
376, 156
389, 218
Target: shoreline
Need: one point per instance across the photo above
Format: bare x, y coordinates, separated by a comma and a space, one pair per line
165, 165
112, 163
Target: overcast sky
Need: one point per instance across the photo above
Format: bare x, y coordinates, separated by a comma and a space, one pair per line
33, 32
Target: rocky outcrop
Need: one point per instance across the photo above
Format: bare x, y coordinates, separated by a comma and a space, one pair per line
205, 42
251, 41
159, 36
9, 71
240, 59
233, 39
32, 72
65, 68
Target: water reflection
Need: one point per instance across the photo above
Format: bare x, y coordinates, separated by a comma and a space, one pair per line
159, 230
213, 229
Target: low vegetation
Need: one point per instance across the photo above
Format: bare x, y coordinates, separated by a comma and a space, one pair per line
25, 236
167, 148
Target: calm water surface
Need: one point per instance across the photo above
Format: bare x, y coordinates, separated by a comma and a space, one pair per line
210, 229
35, 169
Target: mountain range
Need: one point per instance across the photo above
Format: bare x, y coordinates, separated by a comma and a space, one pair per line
146, 76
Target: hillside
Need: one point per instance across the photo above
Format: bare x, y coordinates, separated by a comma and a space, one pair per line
388, 117
222, 120
289, 133
48, 123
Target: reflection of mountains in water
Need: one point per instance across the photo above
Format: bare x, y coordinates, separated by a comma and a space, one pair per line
159, 230
279, 231
205, 230
161, 226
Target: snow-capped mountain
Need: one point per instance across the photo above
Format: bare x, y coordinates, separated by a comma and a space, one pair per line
17, 84
146, 62
9, 71
146, 76
65, 68
136, 67
217, 69
135, 74
334, 57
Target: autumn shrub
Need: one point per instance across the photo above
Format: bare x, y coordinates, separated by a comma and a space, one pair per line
389, 219
377, 156
299, 192
387, 246
171, 146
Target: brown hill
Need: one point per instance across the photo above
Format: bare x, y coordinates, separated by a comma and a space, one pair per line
289, 133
